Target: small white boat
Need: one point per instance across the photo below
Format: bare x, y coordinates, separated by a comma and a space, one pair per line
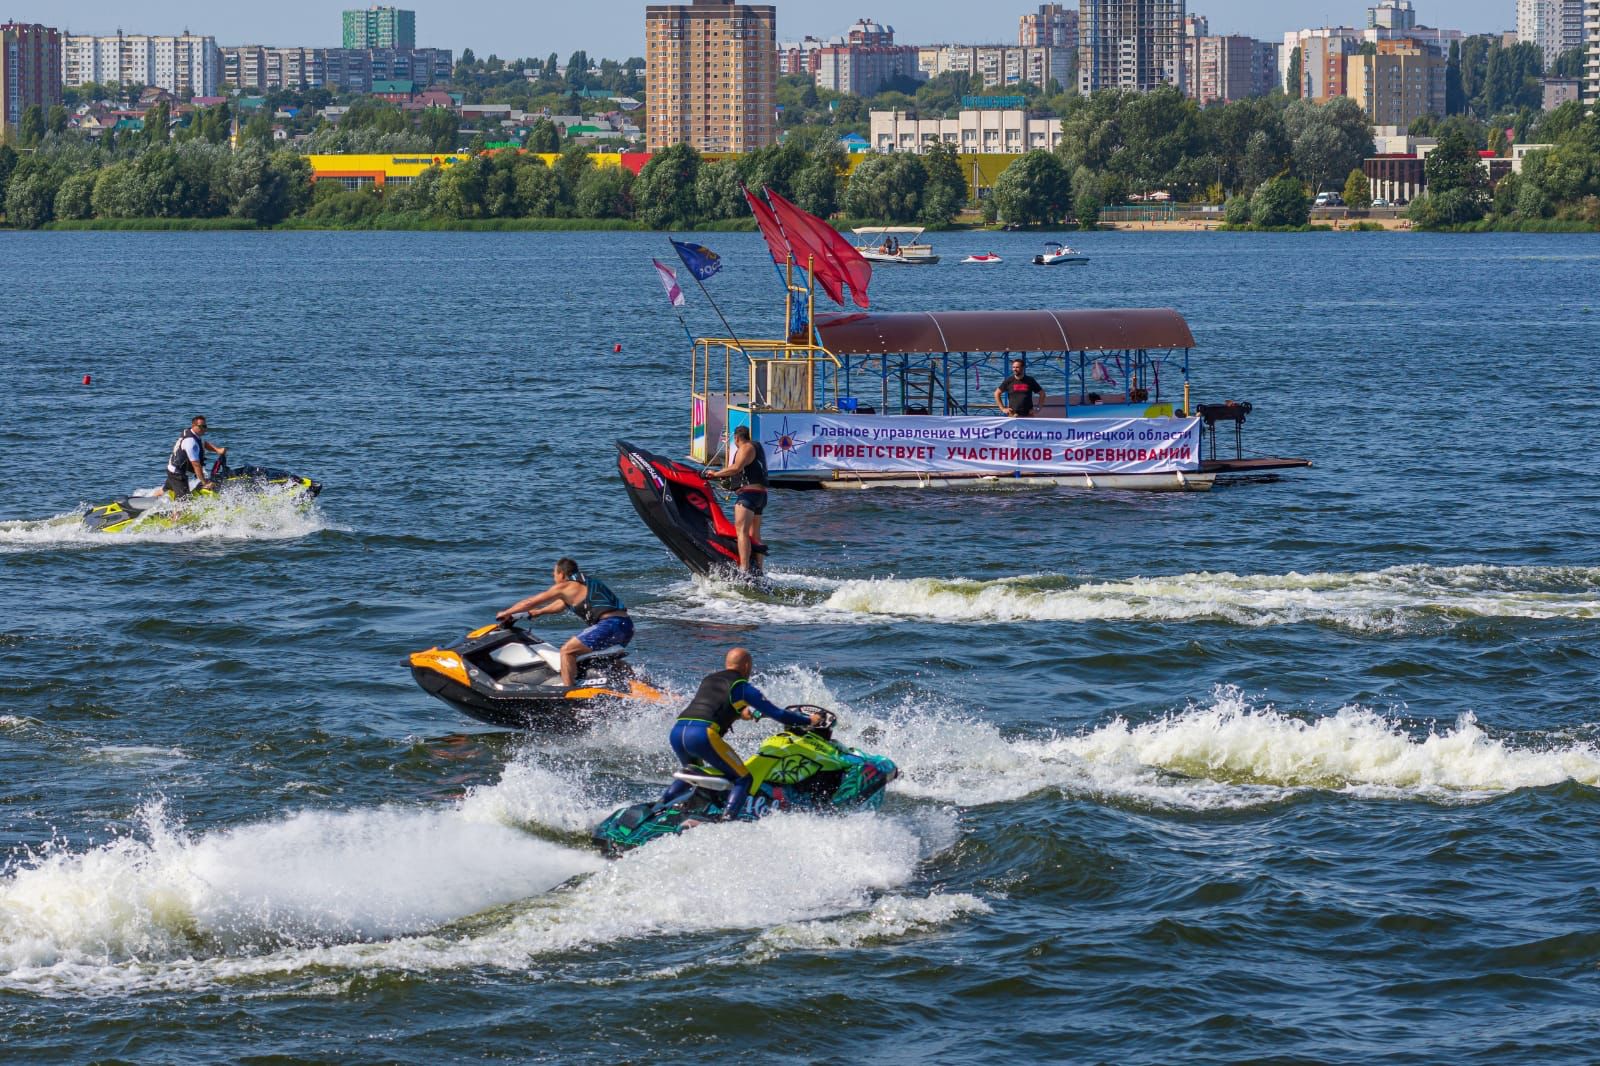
983, 257
1056, 254
894, 244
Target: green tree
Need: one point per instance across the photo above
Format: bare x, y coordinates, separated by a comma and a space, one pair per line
1034, 190
1458, 185
1087, 199
1568, 64
56, 120
30, 200
8, 163
946, 191
886, 187
1328, 139
1236, 212
1281, 202
605, 192
543, 137
1357, 191
267, 187
30, 129
156, 123
665, 194
717, 195
1455, 95
1293, 83
75, 197
438, 125
571, 166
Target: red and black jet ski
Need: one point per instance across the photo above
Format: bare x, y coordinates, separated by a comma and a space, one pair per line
677, 503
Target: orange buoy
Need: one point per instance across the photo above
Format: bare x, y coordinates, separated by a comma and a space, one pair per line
616, 347
86, 379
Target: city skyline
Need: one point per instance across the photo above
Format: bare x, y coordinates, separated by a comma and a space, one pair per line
615, 28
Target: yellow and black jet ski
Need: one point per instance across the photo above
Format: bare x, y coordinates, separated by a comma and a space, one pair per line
509, 677
155, 509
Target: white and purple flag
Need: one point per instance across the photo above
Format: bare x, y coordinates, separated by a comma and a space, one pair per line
669, 281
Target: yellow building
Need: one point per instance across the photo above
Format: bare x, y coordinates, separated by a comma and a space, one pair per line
1398, 84
712, 75
376, 171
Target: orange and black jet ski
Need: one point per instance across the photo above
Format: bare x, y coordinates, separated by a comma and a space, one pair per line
509, 677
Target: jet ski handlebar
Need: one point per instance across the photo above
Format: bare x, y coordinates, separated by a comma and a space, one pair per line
826, 719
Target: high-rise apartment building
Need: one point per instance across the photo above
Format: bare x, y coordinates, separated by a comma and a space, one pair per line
1130, 44
1397, 84
711, 71
864, 61
1556, 26
1231, 68
998, 64
1591, 74
380, 27
30, 70
1053, 26
185, 65
353, 69
1392, 15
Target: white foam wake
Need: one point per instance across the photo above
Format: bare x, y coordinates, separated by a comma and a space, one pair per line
432, 889
1371, 600
1229, 753
235, 515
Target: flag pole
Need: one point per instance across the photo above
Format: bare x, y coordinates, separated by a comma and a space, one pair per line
737, 343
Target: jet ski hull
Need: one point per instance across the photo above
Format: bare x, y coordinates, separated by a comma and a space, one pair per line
163, 512
803, 770
473, 676
677, 504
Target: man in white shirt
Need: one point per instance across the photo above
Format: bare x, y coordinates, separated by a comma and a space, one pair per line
188, 454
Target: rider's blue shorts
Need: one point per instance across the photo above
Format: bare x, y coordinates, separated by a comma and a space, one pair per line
697, 743
608, 632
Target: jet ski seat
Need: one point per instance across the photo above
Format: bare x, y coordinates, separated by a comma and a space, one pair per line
520, 656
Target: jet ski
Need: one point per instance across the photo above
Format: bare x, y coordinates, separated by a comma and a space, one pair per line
803, 768
677, 503
509, 677
161, 511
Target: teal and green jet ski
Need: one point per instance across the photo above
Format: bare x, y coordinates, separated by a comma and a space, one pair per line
155, 509
799, 769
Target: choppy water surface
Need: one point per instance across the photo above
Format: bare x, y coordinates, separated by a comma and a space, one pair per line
1306, 770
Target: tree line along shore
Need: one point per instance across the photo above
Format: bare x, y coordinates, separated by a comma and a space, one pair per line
1258, 160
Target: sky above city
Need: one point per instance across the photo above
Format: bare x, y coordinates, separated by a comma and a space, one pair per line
515, 28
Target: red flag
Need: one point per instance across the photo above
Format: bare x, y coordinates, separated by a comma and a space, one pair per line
770, 230
799, 243
842, 256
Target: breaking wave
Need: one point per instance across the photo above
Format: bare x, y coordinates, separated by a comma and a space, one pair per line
1231, 753
1393, 599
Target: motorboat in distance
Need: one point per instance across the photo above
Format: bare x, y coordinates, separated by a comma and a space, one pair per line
894, 244
1057, 254
983, 257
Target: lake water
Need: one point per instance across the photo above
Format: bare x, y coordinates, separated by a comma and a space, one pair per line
1301, 771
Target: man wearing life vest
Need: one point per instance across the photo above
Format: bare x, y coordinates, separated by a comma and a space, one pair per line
188, 454
603, 612
697, 736
749, 473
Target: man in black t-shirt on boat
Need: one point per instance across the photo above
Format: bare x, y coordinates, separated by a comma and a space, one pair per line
1015, 395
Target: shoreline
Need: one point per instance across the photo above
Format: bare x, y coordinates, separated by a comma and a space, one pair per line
592, 225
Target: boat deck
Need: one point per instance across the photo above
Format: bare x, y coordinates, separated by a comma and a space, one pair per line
1263, 465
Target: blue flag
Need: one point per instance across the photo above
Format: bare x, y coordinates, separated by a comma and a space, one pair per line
701, 261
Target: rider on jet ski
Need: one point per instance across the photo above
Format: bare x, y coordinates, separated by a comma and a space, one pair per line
723, 698
592, 600
188, 454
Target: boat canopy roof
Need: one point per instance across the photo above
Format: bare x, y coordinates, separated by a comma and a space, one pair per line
876, 231
923, 332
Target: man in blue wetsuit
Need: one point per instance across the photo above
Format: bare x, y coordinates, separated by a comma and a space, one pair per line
697, 735
603, 612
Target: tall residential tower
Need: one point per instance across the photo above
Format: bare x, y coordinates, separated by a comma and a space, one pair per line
1130, 44
380, 27
712, 75
30, 70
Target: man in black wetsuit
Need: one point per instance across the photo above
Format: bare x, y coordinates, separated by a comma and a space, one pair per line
189, 453
1015, 394
749, 473
697, 736
592, 600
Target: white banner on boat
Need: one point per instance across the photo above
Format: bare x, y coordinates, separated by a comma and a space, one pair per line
961, 444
